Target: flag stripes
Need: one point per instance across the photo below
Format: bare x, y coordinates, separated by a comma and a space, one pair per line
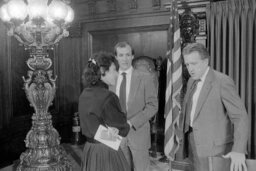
173, 85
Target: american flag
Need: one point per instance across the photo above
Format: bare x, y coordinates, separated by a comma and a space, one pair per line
173, 85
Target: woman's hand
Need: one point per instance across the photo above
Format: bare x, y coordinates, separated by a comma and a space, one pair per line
113, 131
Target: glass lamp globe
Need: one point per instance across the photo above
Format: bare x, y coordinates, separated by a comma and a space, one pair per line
17, 9
4, 14
58, 10
37, 8
70, 15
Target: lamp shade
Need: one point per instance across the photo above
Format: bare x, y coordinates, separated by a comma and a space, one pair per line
17, 9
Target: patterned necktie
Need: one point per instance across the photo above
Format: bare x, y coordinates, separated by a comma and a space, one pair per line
122, 92
189, 104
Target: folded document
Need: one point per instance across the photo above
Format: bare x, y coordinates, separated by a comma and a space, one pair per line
105, 137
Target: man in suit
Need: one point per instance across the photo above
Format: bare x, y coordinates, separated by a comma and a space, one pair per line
215, 121
138, 99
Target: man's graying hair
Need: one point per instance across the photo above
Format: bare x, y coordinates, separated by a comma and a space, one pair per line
196, 47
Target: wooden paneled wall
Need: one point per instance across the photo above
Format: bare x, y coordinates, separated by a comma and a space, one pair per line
14, 118
4, 78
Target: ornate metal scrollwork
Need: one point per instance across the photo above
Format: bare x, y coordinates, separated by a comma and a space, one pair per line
189, 25
43, 141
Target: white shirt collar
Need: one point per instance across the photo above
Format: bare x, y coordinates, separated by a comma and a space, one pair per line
128, 71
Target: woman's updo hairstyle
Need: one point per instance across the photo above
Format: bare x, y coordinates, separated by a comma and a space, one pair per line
97, 65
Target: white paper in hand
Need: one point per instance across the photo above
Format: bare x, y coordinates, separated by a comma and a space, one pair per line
102, 135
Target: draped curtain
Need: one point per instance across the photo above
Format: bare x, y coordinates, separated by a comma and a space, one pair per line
231, 27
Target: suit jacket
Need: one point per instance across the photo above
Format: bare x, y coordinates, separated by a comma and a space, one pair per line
142, 105
220, 122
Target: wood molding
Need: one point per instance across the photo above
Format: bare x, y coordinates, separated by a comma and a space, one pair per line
121, 16
111, 5
133, 4
157, 7
195, 5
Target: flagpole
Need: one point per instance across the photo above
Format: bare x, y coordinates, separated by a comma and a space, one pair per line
173, 86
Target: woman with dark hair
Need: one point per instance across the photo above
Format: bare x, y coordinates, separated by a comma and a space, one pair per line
99, 106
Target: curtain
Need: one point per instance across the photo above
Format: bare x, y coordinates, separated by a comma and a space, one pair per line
231, 27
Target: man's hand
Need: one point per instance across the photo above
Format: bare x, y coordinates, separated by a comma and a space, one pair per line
237, 161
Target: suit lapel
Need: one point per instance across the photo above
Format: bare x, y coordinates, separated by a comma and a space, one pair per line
204, 92
184, 103
186, 94
135, 80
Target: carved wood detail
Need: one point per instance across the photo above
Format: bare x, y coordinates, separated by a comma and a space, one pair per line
92, 7
156, 3
111, 5
133, 4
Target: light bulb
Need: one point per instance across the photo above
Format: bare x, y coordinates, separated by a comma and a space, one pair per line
4, 14
70, 15
58, 10
37, 8
17, 9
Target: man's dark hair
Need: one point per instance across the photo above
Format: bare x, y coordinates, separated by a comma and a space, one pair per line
122, 45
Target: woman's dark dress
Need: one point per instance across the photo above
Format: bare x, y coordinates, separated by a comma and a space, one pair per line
98, 105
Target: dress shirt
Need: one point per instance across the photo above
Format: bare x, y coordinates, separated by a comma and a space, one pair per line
196, 96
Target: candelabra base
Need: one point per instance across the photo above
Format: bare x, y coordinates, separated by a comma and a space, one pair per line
56, 162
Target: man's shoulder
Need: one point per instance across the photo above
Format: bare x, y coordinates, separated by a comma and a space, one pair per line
221, 75
223, 78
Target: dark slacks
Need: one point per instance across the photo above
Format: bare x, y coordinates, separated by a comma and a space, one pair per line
127, 152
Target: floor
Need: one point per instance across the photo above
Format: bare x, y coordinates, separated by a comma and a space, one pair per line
74, 153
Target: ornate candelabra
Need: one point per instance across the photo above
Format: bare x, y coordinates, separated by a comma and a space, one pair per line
38, 25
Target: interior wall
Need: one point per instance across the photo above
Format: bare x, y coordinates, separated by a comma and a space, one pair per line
145, 43
15, 110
